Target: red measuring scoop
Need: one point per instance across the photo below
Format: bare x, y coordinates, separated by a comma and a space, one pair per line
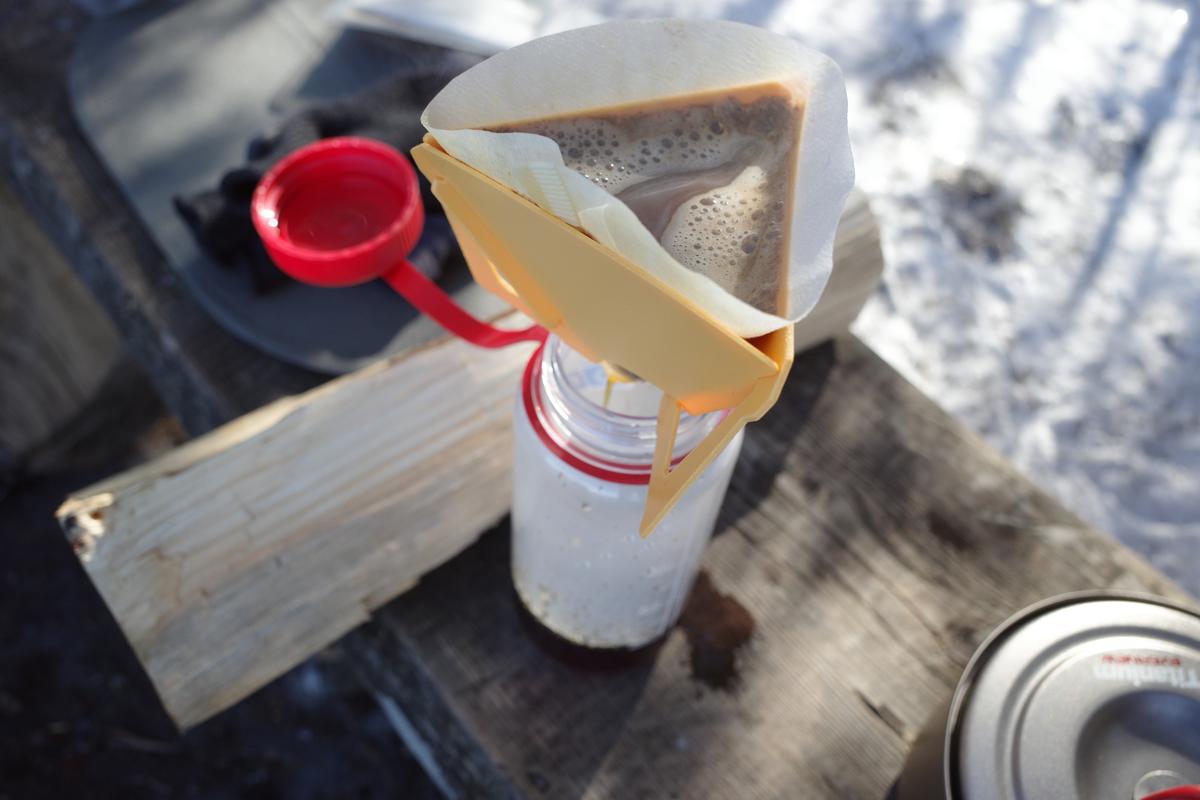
347, 210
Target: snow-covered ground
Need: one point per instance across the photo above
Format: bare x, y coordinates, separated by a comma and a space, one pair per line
1036, 171
1035, 168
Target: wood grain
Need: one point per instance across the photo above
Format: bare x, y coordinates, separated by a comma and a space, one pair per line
56, 345
231, 559
872, 540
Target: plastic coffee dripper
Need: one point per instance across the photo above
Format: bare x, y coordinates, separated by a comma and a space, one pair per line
346, 210
613, 311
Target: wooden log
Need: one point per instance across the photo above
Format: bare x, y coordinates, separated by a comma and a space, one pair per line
56, 345
231, 559
238, 555
858, 268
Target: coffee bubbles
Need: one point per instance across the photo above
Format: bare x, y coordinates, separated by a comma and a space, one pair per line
710, 176
731, 234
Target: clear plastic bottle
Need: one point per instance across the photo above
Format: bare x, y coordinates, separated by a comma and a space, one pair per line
581, 466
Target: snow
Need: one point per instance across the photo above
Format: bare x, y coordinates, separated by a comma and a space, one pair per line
1072, 344
1035, 168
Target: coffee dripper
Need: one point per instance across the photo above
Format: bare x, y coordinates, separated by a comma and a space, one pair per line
346, 210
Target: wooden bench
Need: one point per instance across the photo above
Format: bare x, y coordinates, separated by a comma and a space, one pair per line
867, 544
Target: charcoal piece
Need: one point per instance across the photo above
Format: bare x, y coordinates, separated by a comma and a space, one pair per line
219, 218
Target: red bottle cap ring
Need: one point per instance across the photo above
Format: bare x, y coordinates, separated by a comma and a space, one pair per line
339, 211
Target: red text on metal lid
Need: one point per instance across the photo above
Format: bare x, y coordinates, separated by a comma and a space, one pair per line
1137, 669
1137, 658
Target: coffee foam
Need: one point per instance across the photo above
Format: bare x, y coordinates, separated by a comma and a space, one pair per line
604, 153
708, 179
720, 233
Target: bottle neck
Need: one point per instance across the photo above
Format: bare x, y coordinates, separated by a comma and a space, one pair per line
611, 426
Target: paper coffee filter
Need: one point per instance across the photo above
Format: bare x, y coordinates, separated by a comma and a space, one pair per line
633, 62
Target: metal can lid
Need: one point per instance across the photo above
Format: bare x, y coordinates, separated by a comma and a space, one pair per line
1094, 698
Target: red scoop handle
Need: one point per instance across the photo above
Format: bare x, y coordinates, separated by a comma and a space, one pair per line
428, 298
1190, 792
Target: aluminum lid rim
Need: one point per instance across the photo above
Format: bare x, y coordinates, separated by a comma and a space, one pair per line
983, 652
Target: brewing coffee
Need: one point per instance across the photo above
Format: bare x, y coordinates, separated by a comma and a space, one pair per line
709, 175
653, 92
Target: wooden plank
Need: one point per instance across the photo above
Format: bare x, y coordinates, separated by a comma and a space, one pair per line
231, 559
867, 544
858, 268
56, 345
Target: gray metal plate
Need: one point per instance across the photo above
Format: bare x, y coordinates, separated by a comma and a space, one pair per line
171, 94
